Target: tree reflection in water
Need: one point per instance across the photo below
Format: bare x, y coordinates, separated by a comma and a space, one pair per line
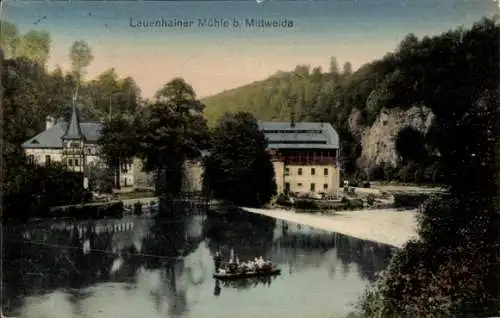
369, 257
42, 258
174, 250
293, 244
248, 235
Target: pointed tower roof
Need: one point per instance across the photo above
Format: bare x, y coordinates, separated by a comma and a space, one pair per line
73, 131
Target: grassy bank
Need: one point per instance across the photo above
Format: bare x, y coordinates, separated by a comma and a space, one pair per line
136, 194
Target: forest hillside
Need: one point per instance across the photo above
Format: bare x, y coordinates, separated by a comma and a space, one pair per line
386, 131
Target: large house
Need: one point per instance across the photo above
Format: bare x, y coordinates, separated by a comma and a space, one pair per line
73, 143
305, 156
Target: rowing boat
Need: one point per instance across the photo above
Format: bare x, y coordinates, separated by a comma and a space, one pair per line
228, 276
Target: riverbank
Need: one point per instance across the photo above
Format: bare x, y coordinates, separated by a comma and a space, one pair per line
387, 226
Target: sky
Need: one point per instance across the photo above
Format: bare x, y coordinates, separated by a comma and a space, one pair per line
214, 59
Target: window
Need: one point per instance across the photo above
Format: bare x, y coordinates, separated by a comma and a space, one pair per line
77, 163
299, 184
287, 187
325, 171
325, 186
313, 187
47, 160
31, 159
299, 172
70, 162
287, 171
313, 171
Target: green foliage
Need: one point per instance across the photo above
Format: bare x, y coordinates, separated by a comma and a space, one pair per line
416, 74
453, 270
9, 40
355, 204
36, 188
100, 177
164, 134
80, 56
306, 204
113, 95
33, 45
410, 145
85, 212
239, 168
410, 200
370, 199
283, 200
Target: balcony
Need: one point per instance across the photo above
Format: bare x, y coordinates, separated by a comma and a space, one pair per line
304, 161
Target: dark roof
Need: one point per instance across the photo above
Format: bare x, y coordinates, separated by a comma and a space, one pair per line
303, 135
52, 137
73, 130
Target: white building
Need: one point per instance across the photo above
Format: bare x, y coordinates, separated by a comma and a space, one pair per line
305, 156
73, 144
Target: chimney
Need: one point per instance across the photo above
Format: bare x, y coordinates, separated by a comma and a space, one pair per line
49, 122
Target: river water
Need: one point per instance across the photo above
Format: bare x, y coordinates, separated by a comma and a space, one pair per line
162, 267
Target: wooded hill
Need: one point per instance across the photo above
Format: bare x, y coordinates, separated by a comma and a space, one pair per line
434, 80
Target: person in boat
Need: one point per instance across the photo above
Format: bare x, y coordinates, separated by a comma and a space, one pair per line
262, 264
232, 267
217, 262
252, 266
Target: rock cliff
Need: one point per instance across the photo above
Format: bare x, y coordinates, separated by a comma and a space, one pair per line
378, 140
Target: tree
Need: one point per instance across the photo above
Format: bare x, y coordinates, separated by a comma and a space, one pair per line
118, 143
9, 41
175, 131
112, 95
239, 168
164, 134
453, 270
347, 69
410, 145
35, 46
334, 66
100, 177
80, 56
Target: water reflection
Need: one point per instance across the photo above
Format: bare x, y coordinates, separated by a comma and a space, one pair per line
143, 267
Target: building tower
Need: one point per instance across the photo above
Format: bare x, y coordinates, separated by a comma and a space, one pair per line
73, 142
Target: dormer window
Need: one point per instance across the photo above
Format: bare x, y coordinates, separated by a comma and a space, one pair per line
35, 141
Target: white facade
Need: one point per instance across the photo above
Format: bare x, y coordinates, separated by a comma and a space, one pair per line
77, 152
305, 157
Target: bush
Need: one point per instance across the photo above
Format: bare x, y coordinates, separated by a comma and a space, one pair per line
283, 200
42, 187
305, 204
448, 272
355, 204
410, 200
370, 200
